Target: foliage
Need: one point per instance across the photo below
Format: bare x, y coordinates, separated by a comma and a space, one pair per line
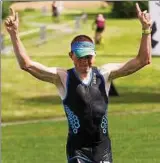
5, 8
29, 9
126, 9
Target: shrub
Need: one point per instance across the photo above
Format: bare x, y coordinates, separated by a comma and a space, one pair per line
127, 9
29, 9
5, 9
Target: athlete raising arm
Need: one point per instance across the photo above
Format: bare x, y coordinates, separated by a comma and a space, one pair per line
84, 89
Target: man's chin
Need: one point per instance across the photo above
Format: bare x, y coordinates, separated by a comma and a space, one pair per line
86, 70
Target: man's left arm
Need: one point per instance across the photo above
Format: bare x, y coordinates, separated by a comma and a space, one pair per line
144, 55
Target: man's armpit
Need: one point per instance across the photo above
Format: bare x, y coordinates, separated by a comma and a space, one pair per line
62, 73
107, 69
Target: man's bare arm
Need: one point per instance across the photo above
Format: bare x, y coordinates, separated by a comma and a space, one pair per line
36, 69
144, 55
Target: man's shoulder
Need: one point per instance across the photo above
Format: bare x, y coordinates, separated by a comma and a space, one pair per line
108, 65
107, 68
61, 69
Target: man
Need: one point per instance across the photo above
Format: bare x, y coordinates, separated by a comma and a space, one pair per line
84, 89
100, 26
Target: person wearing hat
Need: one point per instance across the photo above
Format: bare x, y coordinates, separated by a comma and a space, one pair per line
84, 89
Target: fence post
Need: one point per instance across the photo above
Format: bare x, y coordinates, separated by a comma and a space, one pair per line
43, 36
77, 23
84, 17
44, 11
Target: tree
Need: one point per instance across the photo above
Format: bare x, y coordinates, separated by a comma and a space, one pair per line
126, 9
5, 9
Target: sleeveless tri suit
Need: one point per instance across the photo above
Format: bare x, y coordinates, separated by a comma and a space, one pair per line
86, 110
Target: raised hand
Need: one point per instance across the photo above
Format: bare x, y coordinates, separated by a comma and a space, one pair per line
12, 22
144, 17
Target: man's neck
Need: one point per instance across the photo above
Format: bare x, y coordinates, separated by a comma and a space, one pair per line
84, 75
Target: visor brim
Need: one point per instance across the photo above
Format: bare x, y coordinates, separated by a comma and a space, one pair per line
84, 52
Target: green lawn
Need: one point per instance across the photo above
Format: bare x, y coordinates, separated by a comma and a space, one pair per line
135, 139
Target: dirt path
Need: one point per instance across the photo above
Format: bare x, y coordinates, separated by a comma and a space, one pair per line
118, 113
66, 4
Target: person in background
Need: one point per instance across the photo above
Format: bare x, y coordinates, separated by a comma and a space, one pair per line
84, 88
55, 12
99, 27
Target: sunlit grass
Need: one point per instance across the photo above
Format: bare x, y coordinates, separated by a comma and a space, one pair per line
135, 138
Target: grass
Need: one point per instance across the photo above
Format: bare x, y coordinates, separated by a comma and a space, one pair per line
134, 139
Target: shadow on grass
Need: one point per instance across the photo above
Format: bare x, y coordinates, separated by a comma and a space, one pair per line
123, 98
42, 100
107, 55
90, 15
136, 97
50, 56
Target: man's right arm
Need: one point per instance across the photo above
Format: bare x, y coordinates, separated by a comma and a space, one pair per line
36, 69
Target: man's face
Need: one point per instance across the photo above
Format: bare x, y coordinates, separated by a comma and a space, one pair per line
83, 64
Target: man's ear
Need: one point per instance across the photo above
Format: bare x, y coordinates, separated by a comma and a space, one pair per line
70, 54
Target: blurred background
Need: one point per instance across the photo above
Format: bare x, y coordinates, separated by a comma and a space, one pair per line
34, 128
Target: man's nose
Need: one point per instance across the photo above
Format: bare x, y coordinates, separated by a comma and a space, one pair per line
84, 60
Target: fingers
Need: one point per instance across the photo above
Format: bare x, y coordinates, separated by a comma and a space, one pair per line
144, 17
13, 14
9, 21
12, 11
138, 9
144, 14
12, 18
145, 11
